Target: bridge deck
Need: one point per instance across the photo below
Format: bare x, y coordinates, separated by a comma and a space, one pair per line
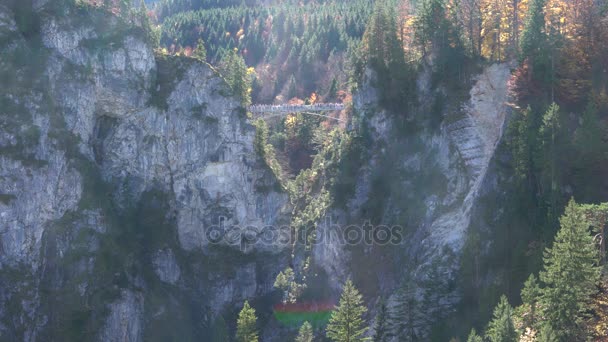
319, 107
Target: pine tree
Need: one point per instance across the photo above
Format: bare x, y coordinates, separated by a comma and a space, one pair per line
292, 90
591, 152
501, 328
538, 48
533, 36
430, 22
219, 330
569, 275
589, 136
200, 52
305, 334
550, 152
374, 38
406, 320
383, 52
473, 337
333, 89
381, 329
246, 330
547, 334
435, 295
237, 75
346, 323
521, 133
530, 294
284, 281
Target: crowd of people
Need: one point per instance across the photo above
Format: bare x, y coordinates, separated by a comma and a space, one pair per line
261, 108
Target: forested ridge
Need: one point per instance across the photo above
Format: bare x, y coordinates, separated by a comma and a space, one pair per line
297, 49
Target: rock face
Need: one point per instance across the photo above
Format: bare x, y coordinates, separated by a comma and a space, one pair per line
475, 136
428, 182
114, 165
125, 322
166, 266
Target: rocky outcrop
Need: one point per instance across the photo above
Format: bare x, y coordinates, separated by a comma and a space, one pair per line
166, 267
427, 181
7, 22
201, 151
115, 164
125, 322
475, 134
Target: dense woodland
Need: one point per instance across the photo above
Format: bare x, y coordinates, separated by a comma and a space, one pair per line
553, 255
296, 49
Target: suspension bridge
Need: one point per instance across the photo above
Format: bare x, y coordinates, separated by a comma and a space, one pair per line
269, 111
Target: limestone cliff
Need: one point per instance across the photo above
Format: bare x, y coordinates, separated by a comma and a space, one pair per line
114, 163
425, 174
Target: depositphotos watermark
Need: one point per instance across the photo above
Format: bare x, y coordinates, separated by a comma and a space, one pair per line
323, 233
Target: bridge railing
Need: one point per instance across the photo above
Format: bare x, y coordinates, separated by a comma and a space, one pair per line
319, 107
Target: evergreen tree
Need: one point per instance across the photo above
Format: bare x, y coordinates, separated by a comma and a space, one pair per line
383, 52
406, 321
538, 49
569, 275
434, 298
546, 334
589, 136
551, 151
292, 90
219, 330
430, 22
333, 89
501, 328
591, 152
533, 36
305, 334
200, 52
381, 329
522, 135
473, 337
152, 33
530, 295
346, 323
246, 330
437, 35
375, 37
237, 75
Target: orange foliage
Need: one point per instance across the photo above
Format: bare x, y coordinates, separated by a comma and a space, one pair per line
313, 98
572, 19
573, 75
522, 85
240, 33
344, 97
295, 101
405, 20
502, 21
